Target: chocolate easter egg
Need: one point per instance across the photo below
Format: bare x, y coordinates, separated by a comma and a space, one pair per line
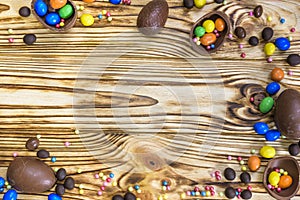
153, 17
30, 175
287, 115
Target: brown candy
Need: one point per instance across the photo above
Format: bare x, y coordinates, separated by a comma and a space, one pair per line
277, 74
208, 39
32, 144
258, 11
240, 32
30, 175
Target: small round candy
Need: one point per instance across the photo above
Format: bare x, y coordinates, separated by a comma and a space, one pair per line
69, 183
24, 11
61, 174
60, 189
209, 25
199, 3
57, 4
208, 39
87, 20
293, 59
266, 105
267, 33
115, 1
43, 154
294, 149
52, 19
29, 39
285, 181
261, 128
10, 195
269, 49
267, 152
272, 135
54, 196
41, 8
188, 3
282, 20
253, 41
282, 43
273, 88
32, 143
199, 31
277, 74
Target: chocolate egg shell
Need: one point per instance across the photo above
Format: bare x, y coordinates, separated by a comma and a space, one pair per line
287, 115
288, 164
69, 23
30, 175
220, 40
153, 17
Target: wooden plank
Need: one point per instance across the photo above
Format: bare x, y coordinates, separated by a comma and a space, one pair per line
147, 108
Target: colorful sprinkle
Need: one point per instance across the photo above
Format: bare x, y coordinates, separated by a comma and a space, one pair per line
293, 30
282, 20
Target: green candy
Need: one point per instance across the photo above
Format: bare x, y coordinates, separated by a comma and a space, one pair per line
66, 11
266, 104
199, 31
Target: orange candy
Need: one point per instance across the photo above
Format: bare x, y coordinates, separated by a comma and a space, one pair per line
220, 24
208, 39
285, 181
56, 4
277, 74
88, 1
254, 163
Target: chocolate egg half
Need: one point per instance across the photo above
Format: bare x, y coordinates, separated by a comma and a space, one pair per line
290, 165
287, 113
30, 175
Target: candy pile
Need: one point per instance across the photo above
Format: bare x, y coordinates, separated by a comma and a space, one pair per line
279, 179
55, 13
207, 33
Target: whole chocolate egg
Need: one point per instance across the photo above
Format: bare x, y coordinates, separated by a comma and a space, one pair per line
287, 113
30, 175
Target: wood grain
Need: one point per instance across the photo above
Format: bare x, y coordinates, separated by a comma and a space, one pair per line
147, 108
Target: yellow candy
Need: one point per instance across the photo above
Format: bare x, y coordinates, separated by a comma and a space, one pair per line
274, 178
199, 3
269, 49
87, 20
267, 152
209, 25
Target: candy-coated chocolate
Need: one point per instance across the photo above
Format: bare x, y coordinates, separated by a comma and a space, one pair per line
41, 8
220, 24
277, 74
10, 195
274, 178
269, 49
115, 1
66, 11
199, 31
254, 163
87, 19
285, 181
282, 43
267, 152
57, 4
209, 25
208, 39
199, 3
272, 135
54, 196
273, 88
52, 19
261, 128
266, 104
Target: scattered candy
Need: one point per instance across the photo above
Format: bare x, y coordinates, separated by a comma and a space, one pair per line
24, 11
282, 43
282, 20
293, 59
272, 88
266, 105
254, 163
258, 11
269, 49
41, 8
253, 41
199, 3
54, 196
267, 33
294, 149
229, 174
10, 195
277, 74
267, 152
245, 177
87, 20
261, 128
240, 32
52, 19
272, 135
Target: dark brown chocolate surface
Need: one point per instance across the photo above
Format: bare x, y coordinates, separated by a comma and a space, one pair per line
153, 17
30, 175
290, 165
220, 40
287, 113
69, 23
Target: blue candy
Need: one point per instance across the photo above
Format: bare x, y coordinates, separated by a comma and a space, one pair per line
2, 182
272, 135
52, 19
282, 43
1, 189
261, 128
10, 195
273, 88
193, 193
40, 8
115, 1
54, 196
203, 193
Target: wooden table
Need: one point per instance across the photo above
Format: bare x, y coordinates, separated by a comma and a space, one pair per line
145, 109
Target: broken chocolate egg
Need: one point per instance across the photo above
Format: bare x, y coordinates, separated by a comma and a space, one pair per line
287, 115
290, 165
30, 175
